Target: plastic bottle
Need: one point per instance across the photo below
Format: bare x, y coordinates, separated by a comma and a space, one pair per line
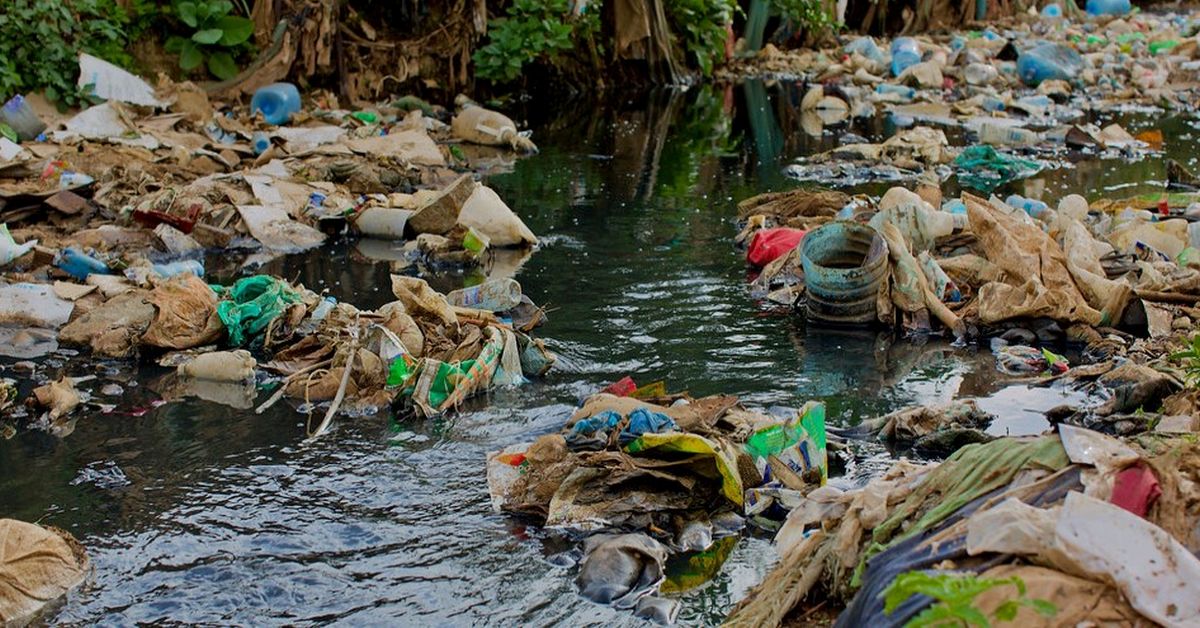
1166, 45
1004, 135
277, 102
1051, 10
316, 202
1048, 61
904, 91
496, 295
17, 114
71, 179
1107, 7
866, 47
260, 142
1194, 235
190, 267
920, 224
992, 104
939, 282
980, 74
219, 135
1037, 103
955, 206
319, 313
1035, 208
906, 52
79, 265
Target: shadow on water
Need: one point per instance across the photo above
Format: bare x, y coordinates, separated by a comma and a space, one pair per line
196, 512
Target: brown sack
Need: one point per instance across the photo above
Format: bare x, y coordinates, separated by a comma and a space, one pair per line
186, 314
113, 329
1079, 601
1037, 282
37, 565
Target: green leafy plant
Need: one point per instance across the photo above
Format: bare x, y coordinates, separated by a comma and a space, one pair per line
810, 15
955, 597
42, 41
703, 23
218, 38
532, 31
1190, 357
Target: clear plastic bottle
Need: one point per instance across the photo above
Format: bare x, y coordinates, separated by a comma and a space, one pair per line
17, 114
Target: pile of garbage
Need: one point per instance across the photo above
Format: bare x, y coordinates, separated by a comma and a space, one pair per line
648, 475
1058, 529
108, 218
425, 350
1022, 94
975, 266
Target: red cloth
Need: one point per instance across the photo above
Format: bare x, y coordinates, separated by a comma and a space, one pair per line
1135, 489
768, 245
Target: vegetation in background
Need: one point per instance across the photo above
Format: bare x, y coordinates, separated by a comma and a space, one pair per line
955, 599
703, 25
218, 36
42, 40
532, 31
1190, 358
809, 15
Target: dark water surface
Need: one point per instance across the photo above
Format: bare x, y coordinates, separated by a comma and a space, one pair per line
197, 513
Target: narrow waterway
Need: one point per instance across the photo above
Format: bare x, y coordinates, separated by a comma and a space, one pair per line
195, 512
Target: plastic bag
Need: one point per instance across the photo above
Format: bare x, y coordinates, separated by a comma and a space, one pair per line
984, 168
9, 249
487, 213
799, 444
767, 245
251, 304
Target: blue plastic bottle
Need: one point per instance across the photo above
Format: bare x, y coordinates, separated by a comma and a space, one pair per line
905, 53
992, 104
1108, 7
1048, 61
260, 142
1030, 206
277, 102
955, 206
79, 265
903, 91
